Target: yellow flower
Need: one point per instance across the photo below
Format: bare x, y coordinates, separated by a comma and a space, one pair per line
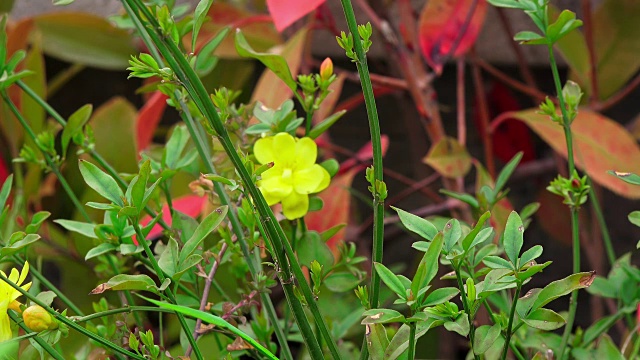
8, 296
294, 174
38, 319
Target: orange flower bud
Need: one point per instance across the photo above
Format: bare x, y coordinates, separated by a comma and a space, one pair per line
326, 69
38, 319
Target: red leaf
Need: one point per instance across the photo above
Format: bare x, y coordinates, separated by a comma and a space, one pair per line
449, 28
363, 155
148, 119
286, 12
190, 205
4, 171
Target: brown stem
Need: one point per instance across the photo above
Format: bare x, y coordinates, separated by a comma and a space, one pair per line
205, 293
483, 108
461, 106
536, 94
619, 96
523, 64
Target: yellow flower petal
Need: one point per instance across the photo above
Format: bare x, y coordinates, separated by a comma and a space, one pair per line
276, 186
270, 198
284, 147
23, 273
306, 181
295, 205
263, 150
5, 326
326, 180
14, 276
306, 153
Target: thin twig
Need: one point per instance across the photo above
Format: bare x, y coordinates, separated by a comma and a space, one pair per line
523, 64
205, 293
507, 80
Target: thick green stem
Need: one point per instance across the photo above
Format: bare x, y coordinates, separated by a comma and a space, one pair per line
412, 341
512, 315
156, 267
575, 225
106, 343
179, 64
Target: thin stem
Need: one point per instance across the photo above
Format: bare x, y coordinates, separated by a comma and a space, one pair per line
467, 310
606, 237
62, 78
513, 346
29, 334
412, 341
168, 291
106, 343
512, 315
575, 225
179, 64
126, 309
483, 108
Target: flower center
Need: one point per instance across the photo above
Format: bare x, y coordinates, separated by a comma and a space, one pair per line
286, 174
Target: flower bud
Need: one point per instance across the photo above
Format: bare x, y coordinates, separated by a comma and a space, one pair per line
38, 319
326, 69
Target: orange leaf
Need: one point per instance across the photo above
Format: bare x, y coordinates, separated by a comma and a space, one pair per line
286, 12
449, 28
600, 145
148, 119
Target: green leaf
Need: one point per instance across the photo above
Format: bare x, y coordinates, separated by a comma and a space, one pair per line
557, 289
506, 172
127, 282
470, 238
530, 38
465, 198
531, 270
199, 17
452, 233
100, 250
391, 280
439, 296
377, 341
82, 38
36, 221
210, 223
381, 316
19, 245
4, 191
275, 63
513, 4
626, 177
496, 262
341, 281
418, 225
608, 350
217, 321
139, 187
429, 263
530, 255
566, 22
206, 61
101, 182
168, 261
312, 247
544, 319
329, 233
325, 124
400, 342
634, 217
461, 325
513, 237
76, 122
485, 337
175, 146
187, 264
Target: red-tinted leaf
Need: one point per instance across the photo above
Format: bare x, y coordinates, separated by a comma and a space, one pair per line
148, 119
191, 205
286, 12
4, 170
600, 145
449, 28
363, 155
449, 158
555, 218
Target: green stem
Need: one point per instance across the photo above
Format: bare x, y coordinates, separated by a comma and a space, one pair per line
307, 128
513, 346
412, 341
29, 334
606, 237
162, 278
179, 64
127, 309
575, 225
512, 315
467, 310
106, 343
127, 294
374, 128
62, 78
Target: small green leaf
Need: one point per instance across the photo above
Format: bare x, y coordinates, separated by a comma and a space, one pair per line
100, 250
626, 177
312, 247
275, 63
127, 282
199, 17
187, 264
465, 198
329, 233
139, 187
391, 280
506, 172
210, 223
341, 281
466, 243
74, 126
634, 217
4, 192
381, 316
175, 146
79, 227
556, 289
418, 225
530, 38
496, 262
461, 325
101, 182
513, 237
18, 245
325, 124
452, 233
439, 296
429, 263
513, 4
377, 341
530, 255
485, 337
36, 221
168, 261
607, 349
400, 342
544, 319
